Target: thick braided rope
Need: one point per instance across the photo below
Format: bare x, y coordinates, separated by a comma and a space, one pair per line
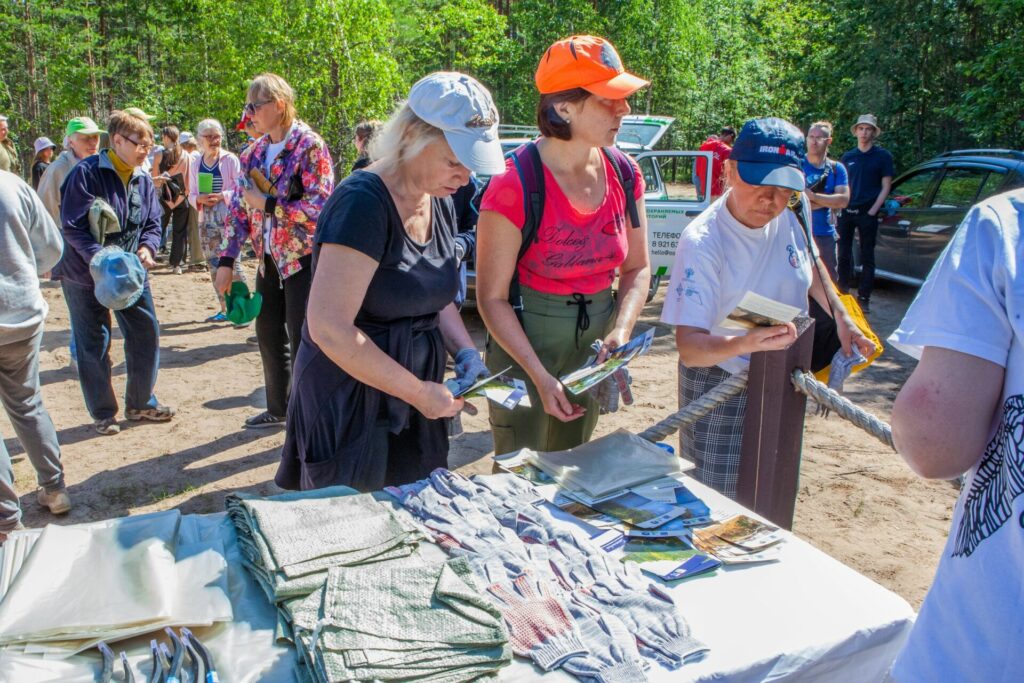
696, 409
806, 384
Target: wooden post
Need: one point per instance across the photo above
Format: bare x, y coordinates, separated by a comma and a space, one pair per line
773, 431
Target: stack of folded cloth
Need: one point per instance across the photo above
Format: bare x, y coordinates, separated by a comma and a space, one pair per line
397, 621
290, 541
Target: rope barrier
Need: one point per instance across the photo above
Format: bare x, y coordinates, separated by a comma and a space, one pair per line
803, 382
696, 409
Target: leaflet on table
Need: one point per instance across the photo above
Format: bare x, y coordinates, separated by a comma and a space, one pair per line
608, 539
593, 372
528, 472
670, 559
672, 491
739, 539
637, 510
755, 310
506, 391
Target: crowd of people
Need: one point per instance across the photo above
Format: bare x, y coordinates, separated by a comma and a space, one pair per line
358, 286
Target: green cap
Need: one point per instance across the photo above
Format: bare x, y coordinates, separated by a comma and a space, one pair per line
135, 111
83, 125
242, 306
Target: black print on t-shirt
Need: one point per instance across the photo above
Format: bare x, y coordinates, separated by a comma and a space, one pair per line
1000, 480
576, 247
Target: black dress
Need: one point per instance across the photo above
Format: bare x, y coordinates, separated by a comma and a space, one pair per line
341, 431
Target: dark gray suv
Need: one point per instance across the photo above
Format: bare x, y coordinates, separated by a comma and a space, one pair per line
928, 202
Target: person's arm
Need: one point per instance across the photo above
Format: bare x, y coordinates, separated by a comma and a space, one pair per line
339, 286
193, 182
497, 246
943, 415
181, 168
827, 297
634, 283
43, 234
154, 170
236, 229
698, 348
882, 194
837, 200
453, 330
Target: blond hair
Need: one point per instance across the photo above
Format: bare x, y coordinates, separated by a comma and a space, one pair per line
268, 86
824, 125
124, 124
403, 137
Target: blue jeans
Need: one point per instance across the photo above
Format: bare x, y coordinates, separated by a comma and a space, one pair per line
91, 326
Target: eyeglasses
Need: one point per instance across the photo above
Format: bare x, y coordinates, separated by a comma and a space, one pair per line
818, 138
144, 146
214, 136
251, 107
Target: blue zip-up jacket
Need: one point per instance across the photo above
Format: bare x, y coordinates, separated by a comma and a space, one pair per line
137, 207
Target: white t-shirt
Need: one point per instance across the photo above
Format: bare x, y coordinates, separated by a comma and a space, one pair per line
971, 626
273, 149
719, 259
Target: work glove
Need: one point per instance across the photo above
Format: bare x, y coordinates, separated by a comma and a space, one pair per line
540, 627
469, 368
649, 614
612, 655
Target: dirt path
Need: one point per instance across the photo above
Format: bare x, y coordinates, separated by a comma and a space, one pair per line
858, 501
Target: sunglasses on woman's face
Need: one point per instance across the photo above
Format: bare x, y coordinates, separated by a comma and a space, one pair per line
251, 107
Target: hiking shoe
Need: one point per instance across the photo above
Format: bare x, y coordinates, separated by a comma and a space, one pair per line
157, 413
177, 270
107, 426
59, 502
252, 341
865, 303
217, 318
264, 421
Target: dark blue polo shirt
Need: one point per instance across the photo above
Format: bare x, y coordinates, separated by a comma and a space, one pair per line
866, 170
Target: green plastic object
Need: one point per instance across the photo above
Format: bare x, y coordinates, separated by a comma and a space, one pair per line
205, 183
242, 305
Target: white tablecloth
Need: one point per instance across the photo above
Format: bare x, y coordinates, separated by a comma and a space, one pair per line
804, 618
807, 617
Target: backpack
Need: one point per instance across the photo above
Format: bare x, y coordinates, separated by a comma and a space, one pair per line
528, 165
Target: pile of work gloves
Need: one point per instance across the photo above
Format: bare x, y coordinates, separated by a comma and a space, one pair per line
566, 603
354, 595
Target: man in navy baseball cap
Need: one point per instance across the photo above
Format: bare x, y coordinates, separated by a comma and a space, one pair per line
769, 152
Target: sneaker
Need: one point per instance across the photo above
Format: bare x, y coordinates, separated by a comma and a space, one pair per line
157, 413
252, 341
3, 534
865, 303
107, 426
59, 502
177, 270
217, 318
264, 421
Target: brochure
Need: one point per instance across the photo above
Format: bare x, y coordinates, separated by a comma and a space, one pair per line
528, 472
592, 373
584, 512
745, 532
755, 310
670, 559
637, 510
205, 182
506, 391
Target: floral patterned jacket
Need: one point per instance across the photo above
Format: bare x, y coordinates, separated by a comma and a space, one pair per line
304, 160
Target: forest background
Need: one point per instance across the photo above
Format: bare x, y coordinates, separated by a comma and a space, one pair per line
940, 74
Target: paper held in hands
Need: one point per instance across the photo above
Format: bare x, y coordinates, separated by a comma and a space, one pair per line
593, 372
506, 391
755, 310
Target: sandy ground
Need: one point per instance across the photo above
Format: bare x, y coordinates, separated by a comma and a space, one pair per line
858, 501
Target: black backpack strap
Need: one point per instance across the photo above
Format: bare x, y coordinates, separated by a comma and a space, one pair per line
526, 159
626, 174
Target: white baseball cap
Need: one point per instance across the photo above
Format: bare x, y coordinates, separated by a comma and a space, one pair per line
184, 137
463, 109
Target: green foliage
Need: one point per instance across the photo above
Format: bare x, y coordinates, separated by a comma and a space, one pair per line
938, 73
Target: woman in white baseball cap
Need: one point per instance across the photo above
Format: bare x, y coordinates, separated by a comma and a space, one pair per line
367, 399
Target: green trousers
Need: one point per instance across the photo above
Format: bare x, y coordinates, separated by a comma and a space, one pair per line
550, 322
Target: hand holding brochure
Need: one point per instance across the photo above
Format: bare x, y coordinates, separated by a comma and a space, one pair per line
755, 310
593, 372
506, 391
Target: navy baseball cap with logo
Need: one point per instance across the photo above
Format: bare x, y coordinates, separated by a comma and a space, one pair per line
769, 152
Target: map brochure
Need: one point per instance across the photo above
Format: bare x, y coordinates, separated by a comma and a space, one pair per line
755, 310
747, 533
636, 510
669, 559
592, 373
584, 512
506, 391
